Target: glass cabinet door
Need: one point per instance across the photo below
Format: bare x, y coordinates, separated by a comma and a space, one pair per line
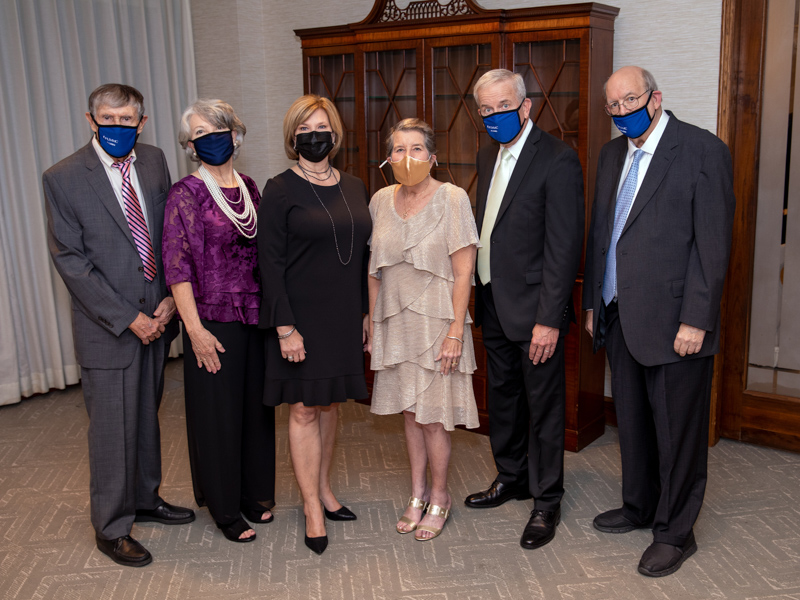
390, 79
551, 69
454, 112
333, 76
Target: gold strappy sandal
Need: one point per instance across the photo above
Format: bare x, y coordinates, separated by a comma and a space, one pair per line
413, 503
435, 511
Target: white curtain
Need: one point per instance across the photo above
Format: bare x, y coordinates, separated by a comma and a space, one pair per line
53, 53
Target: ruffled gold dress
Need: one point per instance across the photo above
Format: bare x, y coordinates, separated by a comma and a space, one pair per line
414, 308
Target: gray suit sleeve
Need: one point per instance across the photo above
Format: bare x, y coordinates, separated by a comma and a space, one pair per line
713, 208
98, 300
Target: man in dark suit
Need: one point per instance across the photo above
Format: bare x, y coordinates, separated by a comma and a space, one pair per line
105, 208
531, 219
656, 258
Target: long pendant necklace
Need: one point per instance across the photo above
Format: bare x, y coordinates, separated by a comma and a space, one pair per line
352, 224
246, 222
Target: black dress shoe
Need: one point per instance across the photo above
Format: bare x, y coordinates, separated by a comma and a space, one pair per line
613, 521
497, 494
232, 531
541, 528
125, 551
664, 559
343, 514
316, 544
167, 514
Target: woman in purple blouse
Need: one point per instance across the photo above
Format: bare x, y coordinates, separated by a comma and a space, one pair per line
211, 265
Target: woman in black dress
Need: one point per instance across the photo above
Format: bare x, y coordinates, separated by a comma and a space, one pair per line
314, 224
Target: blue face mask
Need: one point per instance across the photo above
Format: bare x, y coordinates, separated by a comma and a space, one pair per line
117, 140
635, 123
214, 148
503, 126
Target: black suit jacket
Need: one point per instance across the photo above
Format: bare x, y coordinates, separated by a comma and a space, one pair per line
673, 252
94, 252
537, 238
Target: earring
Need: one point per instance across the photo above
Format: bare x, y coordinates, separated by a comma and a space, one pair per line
194, 155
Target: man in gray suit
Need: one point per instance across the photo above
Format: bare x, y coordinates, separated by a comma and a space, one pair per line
656, 259
105, 208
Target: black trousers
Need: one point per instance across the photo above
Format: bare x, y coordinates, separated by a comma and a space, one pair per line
231, 433
662, 413
526, 412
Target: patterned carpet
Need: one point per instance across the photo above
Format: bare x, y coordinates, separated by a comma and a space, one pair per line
748, 533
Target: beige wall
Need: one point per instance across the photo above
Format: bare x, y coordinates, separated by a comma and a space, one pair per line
246, 53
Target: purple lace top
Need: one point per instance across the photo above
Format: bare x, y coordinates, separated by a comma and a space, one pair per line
202, 246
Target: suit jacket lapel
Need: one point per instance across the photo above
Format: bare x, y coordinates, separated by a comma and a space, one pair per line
98, 179
659, 165
529, 150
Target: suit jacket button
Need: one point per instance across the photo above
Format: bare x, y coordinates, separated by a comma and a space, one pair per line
140, 269
141, 300
603, 251
600, 286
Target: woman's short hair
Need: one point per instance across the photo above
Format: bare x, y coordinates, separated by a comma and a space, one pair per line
217, 113
499, 76
299, 112
412, 124
116, 95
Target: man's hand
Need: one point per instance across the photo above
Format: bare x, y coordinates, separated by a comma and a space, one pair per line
590, 322
543, 343
146, 329
165, 311
689, 340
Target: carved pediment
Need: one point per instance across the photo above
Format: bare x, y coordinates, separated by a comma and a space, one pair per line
387, 11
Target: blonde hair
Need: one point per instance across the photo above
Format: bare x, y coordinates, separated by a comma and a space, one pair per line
217, 113
299, 112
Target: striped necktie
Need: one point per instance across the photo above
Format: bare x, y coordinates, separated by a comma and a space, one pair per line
135, 216
623, 208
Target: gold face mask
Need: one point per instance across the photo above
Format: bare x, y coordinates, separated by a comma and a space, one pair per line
410, 171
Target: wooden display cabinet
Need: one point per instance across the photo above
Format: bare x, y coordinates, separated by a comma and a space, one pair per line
423, 60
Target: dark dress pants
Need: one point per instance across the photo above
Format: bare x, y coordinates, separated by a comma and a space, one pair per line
662, 413
124, 439
526, 412
231, 433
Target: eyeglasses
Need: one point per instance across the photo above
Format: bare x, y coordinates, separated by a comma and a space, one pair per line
630, 103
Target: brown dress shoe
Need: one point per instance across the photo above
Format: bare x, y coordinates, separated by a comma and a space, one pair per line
125, 551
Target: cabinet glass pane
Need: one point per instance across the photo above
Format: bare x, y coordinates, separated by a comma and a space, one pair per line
334, 77
391, 81
551, 70
455, 113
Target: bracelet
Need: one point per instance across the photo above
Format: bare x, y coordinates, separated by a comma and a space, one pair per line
287, 334
452, 337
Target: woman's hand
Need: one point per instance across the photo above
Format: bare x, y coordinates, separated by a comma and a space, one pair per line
292, 348
366, 333
205, 347
449, 354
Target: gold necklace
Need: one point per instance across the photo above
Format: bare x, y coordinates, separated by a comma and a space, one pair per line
421, 195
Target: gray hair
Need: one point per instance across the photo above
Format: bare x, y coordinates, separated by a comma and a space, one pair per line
413, 124
116, 95
219, 114
647, 79
499, 76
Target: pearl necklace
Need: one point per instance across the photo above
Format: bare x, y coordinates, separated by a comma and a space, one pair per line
244, 222
352, 224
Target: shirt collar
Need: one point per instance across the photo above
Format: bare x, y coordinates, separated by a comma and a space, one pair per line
105, 157
651, 143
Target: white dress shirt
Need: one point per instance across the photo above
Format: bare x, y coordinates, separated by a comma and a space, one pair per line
649, 148
115, 177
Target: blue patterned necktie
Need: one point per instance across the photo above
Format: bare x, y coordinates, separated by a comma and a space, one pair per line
624, 201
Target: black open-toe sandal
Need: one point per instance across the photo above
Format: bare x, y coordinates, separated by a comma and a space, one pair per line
254, 516
232, 531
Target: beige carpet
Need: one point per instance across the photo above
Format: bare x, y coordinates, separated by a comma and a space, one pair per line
748, 533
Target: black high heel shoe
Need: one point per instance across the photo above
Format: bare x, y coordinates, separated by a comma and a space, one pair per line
316, 544
232, 531
343, 514
254, 516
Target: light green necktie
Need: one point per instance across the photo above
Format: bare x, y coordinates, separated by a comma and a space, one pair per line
495, 198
